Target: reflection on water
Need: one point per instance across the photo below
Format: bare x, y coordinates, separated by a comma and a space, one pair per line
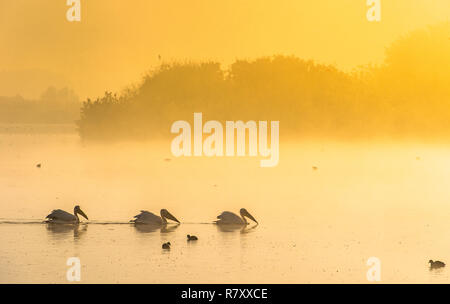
316, 226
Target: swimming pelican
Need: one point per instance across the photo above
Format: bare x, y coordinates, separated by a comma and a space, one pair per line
146, 217
230, 218
144, 228
64, 217
436, 264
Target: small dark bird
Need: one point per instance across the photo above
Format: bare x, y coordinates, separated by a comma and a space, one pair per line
191, 238
159, 57
436, 264
166, 246
38, 165
314, 168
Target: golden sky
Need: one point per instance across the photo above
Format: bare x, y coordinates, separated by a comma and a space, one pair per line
117, 41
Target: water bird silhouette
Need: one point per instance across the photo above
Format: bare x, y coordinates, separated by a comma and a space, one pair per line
62, 231
191, 238
166, 246
231, 228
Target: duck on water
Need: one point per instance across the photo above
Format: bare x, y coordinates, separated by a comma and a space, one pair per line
436, 264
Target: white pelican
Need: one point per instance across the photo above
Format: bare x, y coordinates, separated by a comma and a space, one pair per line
146, 217
64, 217
230, 218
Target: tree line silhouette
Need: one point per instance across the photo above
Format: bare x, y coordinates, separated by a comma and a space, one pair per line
407, 95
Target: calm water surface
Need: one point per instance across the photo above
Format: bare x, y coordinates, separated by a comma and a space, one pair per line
383, 200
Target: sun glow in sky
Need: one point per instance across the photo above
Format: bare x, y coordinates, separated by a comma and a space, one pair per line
116, 42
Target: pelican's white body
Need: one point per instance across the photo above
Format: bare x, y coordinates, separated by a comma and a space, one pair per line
230, 218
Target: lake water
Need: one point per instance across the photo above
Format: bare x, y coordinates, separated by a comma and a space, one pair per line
386, 200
